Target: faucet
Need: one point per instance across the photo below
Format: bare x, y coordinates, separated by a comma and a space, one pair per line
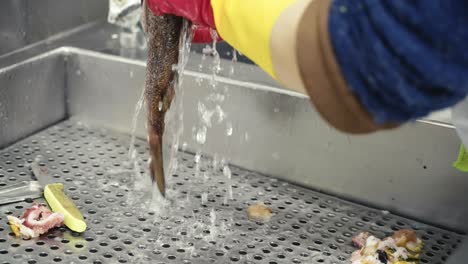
126, 15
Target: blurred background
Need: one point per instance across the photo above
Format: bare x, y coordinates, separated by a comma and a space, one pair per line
27, 22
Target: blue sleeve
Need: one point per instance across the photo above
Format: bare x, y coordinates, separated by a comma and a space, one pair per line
402, 58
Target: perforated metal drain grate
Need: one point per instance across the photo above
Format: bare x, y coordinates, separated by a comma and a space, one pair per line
307, 227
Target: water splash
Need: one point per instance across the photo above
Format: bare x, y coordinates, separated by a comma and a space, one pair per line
233, 63
175, 117
139, 105
143, 186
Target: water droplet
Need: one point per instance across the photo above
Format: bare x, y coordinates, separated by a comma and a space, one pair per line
204, 198
231, 71
229, 129
197, 157
201, 135
231, 196
221, 114
160, 106
205, 114
212, 216
207, 50
227, 172
215, 161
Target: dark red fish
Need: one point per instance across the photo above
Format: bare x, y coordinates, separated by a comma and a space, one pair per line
163, 35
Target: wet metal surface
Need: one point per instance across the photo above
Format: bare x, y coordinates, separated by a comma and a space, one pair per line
204, 220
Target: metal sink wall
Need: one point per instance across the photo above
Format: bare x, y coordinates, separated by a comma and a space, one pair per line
27, 22
32, 96
275, 132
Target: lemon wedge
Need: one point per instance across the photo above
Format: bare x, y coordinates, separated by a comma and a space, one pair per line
60, 203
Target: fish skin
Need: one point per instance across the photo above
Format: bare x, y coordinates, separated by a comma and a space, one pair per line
163, 36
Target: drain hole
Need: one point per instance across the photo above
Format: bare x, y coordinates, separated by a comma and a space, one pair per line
117, 248
258, 257
332, 246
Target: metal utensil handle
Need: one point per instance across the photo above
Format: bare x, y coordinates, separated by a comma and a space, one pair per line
18, 187
20, 191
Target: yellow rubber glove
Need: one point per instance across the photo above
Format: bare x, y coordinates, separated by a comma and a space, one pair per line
248, 24
264, 31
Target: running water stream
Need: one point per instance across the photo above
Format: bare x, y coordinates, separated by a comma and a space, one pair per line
210, 113
174, 128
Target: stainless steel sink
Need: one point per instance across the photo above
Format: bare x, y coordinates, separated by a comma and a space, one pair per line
75, 107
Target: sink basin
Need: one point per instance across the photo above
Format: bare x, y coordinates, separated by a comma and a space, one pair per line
262, 144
